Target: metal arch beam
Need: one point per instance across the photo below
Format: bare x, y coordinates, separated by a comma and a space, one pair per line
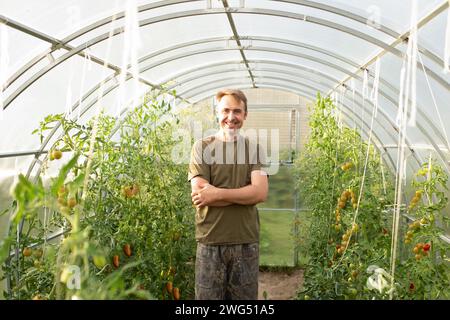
419, 160
251, 38
238, 42
69, 54
405, 36
312, 95
382, 28
344, 29
315, 89
72, 51
237, 62
56, 44
311, 4
202, 85
149, 21
36, 59
291, 73
264, 49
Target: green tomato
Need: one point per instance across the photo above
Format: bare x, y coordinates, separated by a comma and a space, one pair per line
99, 261
353, 291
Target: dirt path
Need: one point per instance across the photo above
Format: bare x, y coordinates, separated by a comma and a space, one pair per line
279, 285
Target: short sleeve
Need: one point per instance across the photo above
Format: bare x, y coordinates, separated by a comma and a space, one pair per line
197, 165
258, 159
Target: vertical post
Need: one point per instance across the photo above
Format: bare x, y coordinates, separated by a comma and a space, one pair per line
296, 196
290, 137
297, 132
296, 219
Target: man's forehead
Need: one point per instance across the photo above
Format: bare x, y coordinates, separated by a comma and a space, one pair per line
230, 101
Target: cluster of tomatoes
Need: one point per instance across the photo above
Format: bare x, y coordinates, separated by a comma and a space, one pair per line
340, 248
66, 202
28, 252
415, 200
168, 287
130, 191
342, 203
346, 166
174, 291
421, 250
100, 260
413, 227
55, 154
116, 259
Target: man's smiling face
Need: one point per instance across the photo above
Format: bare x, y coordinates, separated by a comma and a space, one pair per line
232, 115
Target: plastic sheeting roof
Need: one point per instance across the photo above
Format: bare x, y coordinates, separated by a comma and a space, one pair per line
56, 54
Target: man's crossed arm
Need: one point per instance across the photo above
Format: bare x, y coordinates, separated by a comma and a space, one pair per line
203, 194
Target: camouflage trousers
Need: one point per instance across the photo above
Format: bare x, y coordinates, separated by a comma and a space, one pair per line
227, 272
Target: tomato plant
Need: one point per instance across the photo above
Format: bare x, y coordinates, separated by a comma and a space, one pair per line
120, 188
343, 241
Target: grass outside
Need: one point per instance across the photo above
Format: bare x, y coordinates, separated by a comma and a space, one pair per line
276, 241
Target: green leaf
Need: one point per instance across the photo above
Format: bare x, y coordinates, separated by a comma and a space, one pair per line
63, 174
5, 248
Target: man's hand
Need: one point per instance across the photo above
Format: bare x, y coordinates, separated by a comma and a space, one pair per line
205, 196
199, 185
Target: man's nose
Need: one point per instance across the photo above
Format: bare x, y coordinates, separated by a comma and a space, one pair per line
231, 115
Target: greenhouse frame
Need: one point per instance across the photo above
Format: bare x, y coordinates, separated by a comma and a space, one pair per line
352, 95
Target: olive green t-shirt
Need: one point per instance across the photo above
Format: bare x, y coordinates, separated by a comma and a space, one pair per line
226, 165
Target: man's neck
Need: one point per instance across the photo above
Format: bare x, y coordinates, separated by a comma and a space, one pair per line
228, 136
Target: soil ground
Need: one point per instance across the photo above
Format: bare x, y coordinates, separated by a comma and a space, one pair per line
280, 285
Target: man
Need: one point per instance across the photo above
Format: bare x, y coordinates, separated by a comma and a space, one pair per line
227, 182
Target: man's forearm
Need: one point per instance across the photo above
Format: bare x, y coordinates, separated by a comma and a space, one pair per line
205, 194
248, 195
220, 204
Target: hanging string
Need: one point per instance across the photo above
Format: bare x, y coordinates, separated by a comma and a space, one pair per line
361, 188
412, 63
130, 50
435, 103
98, 110
407, 82
382, 174
398, 119
4, 61
352, 87
365, 91
376, 82
87, 66
339, 121
447, 42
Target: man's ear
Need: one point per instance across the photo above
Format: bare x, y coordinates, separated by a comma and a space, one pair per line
245, 115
